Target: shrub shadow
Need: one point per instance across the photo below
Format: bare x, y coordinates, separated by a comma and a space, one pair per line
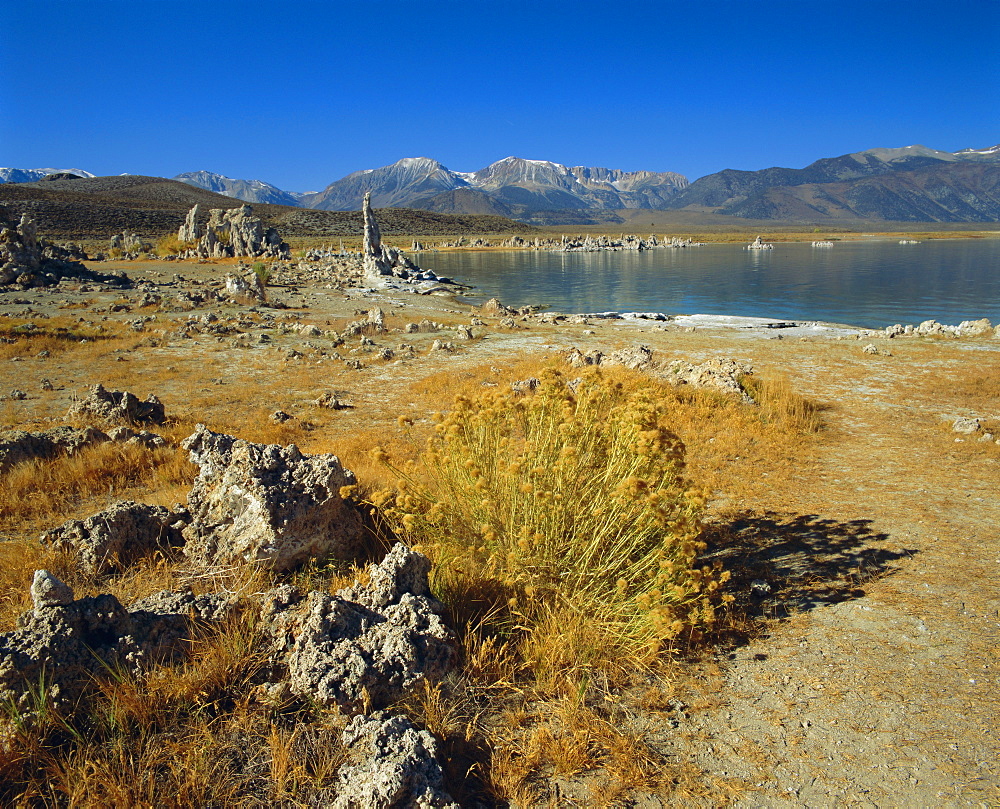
784, 563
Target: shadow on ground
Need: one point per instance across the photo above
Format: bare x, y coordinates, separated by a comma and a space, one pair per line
790, 563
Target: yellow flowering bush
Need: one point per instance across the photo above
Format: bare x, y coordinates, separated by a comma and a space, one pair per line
572, 497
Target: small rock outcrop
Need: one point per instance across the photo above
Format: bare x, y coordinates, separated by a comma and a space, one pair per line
114, 539
17, 446
263, 503
368, 645
231, 233
714, 374
128, 245
112, 407
62, 644
393, 764
27, 262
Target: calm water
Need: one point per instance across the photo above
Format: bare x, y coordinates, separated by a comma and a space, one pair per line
869, 284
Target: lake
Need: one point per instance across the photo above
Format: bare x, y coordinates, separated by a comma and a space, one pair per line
871, 284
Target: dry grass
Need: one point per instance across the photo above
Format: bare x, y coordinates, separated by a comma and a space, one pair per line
528, 704
41, 493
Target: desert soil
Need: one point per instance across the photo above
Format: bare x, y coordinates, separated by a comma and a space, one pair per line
871, 568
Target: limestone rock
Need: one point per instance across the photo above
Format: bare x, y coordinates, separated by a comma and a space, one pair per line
378, 260
64, 645
635, 358
394, 765
18, 445
231, 232
494, 308
116, 538
371, 643
191, 231
27, 261
49, 591
113, 407
966, 426
975, 328
263, 503
715, 374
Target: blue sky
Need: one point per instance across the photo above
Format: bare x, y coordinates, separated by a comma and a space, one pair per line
301, 93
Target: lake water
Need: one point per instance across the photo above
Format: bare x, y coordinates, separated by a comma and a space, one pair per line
868, 283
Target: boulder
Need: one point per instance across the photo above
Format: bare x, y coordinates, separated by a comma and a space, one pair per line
975, 328
720, 375
370, 644
114, 539
18, 445
263, 503
112, 407
393, 764
966, 426
62, 645
494, 308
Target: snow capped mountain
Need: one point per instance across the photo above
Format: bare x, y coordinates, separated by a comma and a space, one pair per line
34, 175
512, 184
390, 186
247, 190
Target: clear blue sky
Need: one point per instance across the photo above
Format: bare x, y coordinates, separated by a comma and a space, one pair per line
301, 93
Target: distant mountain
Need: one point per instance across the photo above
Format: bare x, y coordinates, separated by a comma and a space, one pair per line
34, 175
246, 190
390, 186
912, 183
510, 187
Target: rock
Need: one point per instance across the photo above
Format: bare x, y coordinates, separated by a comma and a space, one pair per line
577, 359
331, 402
871, 348
280, 417
494, 308
393, 765
380, 261
636, 358
966, 426
129, 245
48, 591
715, 374
249, 289
116, 538
231, 233
975, 328
368, 645
63, 645
117, 407
143, 438
263, 503
190, 231
17, 445
526, 385
27, 261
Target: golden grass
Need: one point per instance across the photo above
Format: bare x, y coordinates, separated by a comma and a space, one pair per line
40, 494
524, 706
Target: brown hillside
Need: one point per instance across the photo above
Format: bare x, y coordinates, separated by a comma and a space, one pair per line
99, 207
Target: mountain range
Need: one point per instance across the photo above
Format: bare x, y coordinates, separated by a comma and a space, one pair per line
912, 183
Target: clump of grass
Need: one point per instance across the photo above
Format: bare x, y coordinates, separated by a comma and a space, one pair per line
171, 245
262, 271
572, 503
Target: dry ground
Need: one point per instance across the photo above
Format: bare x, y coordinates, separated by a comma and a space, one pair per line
866, 557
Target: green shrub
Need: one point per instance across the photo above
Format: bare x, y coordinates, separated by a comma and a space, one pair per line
568, 500
262, 271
